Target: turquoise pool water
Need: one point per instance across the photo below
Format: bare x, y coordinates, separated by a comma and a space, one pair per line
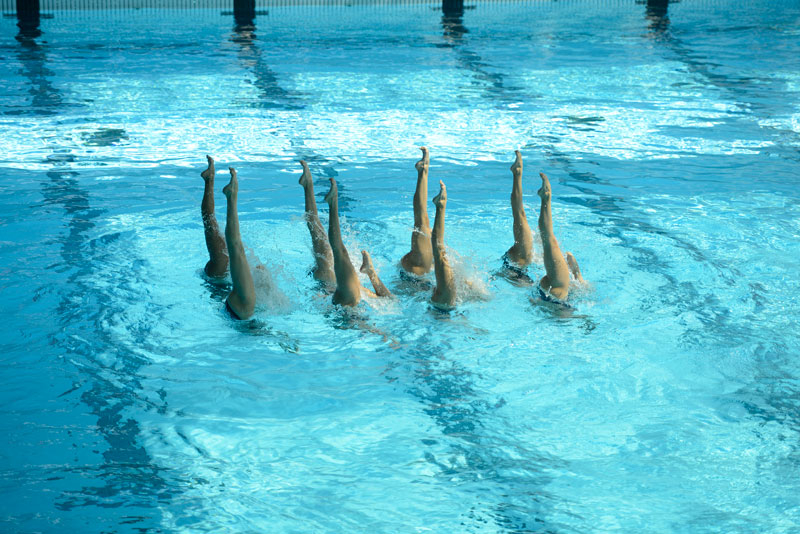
668, 401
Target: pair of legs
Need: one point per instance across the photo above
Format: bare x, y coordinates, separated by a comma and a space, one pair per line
348, 288
332, 262
324, 269
242, 298
420, 259
556, 278
427, 246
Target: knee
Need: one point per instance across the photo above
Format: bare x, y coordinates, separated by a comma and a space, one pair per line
544, 283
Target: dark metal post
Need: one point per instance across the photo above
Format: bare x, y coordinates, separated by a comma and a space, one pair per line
28, 18
244, 12
656, 13
452, 20
657, 8
450, 7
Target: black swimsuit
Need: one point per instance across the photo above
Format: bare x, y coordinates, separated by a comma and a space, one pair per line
232, 313
547, 297
508, 264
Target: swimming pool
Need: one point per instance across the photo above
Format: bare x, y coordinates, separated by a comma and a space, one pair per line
668, 401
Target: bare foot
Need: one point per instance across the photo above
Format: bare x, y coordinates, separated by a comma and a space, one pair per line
573, 267
333, 194
232, 188
366, 263
422, 165
208, 174
544, 191
368, 269
516, 167
305, 178
440, 200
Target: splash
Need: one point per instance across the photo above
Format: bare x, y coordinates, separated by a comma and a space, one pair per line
471, 280
269, 296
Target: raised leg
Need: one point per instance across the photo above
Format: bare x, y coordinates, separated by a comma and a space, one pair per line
368, 269
420, 259
215, 243
242, 299
521, 252
348, 288
574, 268
444, 294
323, 256
556, 281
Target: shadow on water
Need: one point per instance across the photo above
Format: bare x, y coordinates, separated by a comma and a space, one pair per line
126, 476
492, 83
270, 93
763, 96
356, 319
772, 395
615, 213
507, 478
32, 55
266, 334
766, 399
685, 296
110, 390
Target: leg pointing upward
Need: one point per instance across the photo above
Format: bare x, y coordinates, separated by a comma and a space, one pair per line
242, 299
556, 279
348, 291
215, 243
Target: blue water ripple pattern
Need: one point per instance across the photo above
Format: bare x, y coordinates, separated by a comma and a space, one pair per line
668, 400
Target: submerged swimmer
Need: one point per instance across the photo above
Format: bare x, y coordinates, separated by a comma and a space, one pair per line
242, 299
554, 285
348, 287
444, 294
217, 251
323, 256
419, 260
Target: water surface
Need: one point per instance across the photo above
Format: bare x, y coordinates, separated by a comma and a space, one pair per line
668, 401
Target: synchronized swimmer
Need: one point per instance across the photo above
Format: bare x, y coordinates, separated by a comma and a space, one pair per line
332, 265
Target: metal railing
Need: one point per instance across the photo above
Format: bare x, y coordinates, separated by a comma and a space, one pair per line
10, 6
45, 6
